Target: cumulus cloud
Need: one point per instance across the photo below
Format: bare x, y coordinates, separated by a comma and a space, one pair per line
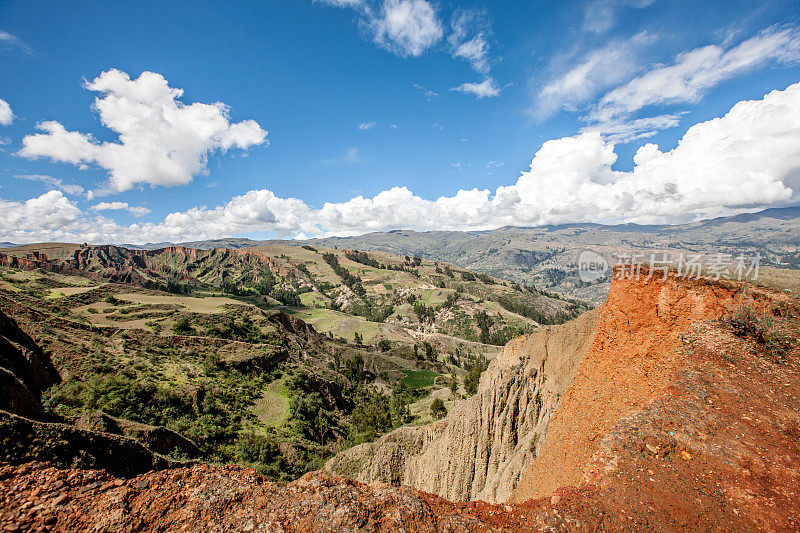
52, 183
405, 27
6, 116
485, 89
694, 72
748, 158
367, 125
49, 217
162, 141
135, 210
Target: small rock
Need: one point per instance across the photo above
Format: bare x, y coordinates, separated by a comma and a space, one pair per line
555, 499
59, 500
143, 483
686, 455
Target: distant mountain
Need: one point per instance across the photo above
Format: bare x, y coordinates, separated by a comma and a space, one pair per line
232, 243
546, 255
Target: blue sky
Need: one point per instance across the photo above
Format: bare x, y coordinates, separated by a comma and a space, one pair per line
385, 110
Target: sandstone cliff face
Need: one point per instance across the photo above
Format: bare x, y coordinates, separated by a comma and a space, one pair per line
483, 446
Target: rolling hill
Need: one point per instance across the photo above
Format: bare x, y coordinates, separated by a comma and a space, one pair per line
275, 356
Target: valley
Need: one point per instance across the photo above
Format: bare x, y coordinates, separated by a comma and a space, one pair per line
673, 406
275, 357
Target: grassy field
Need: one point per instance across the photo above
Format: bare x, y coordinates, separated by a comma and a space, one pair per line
209, 304
68, 291
272, 408
419, 379
341, 324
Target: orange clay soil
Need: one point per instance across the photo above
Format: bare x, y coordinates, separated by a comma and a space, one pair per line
676, 424
634, 355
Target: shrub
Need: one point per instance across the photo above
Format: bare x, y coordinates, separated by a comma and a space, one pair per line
384, 345
182, 326
746, 322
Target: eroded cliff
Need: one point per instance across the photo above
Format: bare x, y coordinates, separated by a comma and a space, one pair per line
546, 402
483, 446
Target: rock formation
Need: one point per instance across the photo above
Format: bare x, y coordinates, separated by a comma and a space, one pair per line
25, 370
545, 403
482, 448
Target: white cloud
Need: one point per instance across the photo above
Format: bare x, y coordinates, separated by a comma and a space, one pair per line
52, 183
469, 40
695, 72
624, 131
161, 140
341, 3
351, 157
429, 94
135, 210
748, 158
6, 116
485, 89
367, 125
575, 82
14, 42
600, 16
405, 27
49, 217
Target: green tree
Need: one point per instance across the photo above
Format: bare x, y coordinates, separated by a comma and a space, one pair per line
371, 414
430, 352
473, 377
438, 410
354, 369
